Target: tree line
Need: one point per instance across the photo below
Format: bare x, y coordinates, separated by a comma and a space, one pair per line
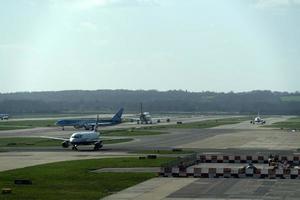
82, 101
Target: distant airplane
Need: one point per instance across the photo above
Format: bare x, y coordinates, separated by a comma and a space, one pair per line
82, 138
258, 120
4, 116
89, 124
145, 117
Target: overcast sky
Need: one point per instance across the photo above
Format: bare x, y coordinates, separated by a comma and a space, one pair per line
195, 45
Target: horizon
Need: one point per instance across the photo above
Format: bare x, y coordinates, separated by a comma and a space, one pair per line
148, 90
209, 45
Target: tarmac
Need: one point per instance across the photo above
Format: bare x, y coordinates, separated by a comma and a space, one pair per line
238, 189
13, 160
210, 189
237, 138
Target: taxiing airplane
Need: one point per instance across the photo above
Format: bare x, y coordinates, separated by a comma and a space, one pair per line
258, 120
4, 116
89, 124
145, 118
82, 138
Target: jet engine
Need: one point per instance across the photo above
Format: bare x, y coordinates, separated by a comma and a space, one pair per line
65, 144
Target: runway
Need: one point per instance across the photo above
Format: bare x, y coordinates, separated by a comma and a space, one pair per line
13, 157
228, 138
243, 137
57, 131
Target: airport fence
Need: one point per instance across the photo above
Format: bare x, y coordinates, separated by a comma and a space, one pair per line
283, 167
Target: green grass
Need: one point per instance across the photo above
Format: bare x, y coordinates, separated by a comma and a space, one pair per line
206, 123
44, 142
28, 141
290, 98
131, 132
12, 125
292, 123
74, 179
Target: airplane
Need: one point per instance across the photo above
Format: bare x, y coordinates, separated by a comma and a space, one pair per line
4, 116
89, 124
82, 138
145, 117
258, 120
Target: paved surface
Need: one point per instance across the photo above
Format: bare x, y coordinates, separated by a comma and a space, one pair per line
227, 138
56, 131
246, 139
242, 137
229, 165
218, 189
154, 189
13, 160
134, 170
247, 125
238, 189
248, 136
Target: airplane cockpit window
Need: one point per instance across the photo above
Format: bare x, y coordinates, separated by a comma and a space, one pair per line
77, 136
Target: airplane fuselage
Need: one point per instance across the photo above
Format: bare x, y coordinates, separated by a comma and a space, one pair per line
84, 123
84, 138
258, 120
89, 124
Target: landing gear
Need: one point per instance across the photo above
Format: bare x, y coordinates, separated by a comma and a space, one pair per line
98, 145
75, 148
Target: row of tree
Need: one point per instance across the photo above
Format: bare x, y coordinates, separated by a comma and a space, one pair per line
79, 101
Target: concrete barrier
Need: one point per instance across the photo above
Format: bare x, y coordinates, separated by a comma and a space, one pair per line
234, 173
184, 169
261, 159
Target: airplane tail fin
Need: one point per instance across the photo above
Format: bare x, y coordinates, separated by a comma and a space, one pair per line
118, 116
96, 125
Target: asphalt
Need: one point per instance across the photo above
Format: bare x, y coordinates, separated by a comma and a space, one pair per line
242, 138
211, 189
238, 189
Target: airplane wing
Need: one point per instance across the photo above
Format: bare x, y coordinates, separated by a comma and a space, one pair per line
55, 138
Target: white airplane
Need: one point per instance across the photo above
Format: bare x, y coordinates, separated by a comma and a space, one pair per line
145, 118
4, 116
82, 138
258, 120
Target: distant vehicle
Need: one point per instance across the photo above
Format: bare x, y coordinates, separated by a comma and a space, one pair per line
4, 116
258, 120
89, 124
82, 138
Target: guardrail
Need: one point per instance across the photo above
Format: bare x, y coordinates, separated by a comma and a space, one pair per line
263, 159
187, 167
232, 173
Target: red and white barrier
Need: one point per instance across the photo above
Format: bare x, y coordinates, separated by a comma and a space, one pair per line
233, 173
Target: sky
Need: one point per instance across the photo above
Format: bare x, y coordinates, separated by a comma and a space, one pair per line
194, 45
